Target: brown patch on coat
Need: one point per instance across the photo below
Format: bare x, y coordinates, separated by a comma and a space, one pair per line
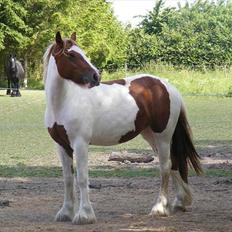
58, 133
120, 82
153, 101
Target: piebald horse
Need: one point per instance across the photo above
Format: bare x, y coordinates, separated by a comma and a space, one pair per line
81, 111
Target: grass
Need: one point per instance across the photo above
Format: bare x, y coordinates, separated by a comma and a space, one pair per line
22, 132
210, 82
56, 171
27, 150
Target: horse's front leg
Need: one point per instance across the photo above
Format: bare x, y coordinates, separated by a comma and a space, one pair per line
66, 212
17, 85
8, 91
13, 87
85, 214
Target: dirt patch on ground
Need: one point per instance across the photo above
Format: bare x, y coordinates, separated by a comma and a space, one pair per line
122, 204
34, 202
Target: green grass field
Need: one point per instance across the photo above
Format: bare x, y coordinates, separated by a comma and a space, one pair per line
208, 82
27, 150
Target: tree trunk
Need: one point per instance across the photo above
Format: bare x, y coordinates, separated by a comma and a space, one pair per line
26, 71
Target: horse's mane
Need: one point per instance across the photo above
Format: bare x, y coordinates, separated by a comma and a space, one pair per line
46, 58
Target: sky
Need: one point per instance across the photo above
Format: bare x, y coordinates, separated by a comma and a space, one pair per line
126, 10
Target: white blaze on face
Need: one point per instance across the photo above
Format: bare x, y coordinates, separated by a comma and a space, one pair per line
78, 50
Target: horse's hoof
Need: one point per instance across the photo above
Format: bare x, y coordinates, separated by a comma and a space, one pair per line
82, 218
13, 94
64, 215
180, 203
63, 218
160, 210
178, 208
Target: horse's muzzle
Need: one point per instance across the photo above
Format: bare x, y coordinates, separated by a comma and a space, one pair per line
95, 80
92, 80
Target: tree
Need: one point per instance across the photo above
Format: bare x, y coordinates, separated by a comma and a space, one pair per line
142, 48
13, 30
197, 35
28, 26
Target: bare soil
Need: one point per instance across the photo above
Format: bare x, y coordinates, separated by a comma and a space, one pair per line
122, 204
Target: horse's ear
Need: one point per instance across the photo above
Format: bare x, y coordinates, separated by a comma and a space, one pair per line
59, 40
74, 36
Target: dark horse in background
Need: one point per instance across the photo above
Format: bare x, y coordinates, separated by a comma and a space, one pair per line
15, 73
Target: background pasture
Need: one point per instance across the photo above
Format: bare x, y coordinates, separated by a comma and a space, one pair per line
27, 150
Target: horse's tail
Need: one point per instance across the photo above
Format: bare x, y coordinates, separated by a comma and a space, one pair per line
182, 148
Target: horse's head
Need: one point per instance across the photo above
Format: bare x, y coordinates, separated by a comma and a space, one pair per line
72, 63
12, 64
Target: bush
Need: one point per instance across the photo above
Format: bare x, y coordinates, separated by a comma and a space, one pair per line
194, 36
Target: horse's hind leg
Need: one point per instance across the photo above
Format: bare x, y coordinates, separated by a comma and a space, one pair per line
183, 192
162, 145
67, 211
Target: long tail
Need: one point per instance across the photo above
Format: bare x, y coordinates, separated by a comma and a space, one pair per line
183, 151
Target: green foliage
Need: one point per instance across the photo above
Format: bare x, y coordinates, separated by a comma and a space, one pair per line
142, 48
195, 36
28, 26
153, 22
13, 29
101, 35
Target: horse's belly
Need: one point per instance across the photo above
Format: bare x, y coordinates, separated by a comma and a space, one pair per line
111, 135
108, 130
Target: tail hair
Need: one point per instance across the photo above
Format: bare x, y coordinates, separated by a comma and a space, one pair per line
183, 151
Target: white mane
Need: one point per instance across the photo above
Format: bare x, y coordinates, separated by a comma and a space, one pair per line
46, 58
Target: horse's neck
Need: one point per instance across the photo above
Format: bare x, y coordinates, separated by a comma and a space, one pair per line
55, 88
60, 91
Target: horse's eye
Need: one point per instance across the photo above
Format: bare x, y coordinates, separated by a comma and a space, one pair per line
71, 55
